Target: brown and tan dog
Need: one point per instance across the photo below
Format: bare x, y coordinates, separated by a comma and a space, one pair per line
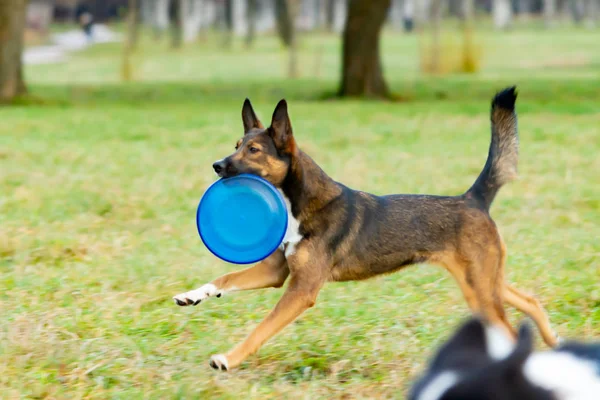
339, 234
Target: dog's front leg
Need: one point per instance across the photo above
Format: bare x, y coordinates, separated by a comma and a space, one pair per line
300, 295
270, 272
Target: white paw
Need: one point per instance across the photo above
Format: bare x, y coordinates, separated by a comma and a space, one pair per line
219, 362
194, 297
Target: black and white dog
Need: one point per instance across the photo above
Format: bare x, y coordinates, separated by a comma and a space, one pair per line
480, 363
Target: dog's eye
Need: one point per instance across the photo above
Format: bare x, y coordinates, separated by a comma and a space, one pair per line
254, 150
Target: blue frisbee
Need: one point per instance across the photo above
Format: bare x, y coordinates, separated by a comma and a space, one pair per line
242, 219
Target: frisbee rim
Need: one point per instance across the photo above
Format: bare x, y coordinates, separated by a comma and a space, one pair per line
273, 189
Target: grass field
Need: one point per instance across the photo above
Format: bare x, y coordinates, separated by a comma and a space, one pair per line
99, 183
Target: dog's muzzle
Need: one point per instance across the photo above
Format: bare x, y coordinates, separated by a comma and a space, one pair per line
224, 168
219, 167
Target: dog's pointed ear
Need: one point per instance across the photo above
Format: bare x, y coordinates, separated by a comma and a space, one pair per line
281, 129
249, 118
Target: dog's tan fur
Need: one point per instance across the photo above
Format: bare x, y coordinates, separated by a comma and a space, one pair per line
352, 235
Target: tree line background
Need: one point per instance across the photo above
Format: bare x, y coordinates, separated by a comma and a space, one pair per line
358, 21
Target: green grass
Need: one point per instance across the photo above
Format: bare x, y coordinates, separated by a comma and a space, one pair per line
99, 183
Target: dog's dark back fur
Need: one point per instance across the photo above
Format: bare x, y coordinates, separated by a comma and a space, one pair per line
381, 234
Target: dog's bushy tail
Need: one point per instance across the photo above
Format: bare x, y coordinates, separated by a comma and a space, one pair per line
501, 164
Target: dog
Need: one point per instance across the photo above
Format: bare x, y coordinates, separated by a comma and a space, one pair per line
339, 234
480, 363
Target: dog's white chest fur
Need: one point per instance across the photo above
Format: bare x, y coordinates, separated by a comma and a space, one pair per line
292, 234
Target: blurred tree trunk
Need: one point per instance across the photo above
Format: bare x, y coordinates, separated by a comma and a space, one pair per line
362, 74
132, 24
395, 15
12, 30
593, 12
436, 35
315, 14
469, 58
176, 23
228, 22
454, 8
422, 8
549, 13
207, 15
191, 12
502, 12
408, 15
160, 16
130, 41
329, 14
284, 25
467, 11
524, 8
251, 15
145, 11
21, 88
293, 7
578, 10
562, 7
319, 14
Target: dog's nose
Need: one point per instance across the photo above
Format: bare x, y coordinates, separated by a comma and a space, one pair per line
218, 166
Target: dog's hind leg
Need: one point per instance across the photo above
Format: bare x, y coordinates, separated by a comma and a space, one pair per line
489, 293
270, 272
480, 283
482, 263
465, 283
532, 307
529, 305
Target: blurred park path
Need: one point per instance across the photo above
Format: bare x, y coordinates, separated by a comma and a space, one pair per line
66, 42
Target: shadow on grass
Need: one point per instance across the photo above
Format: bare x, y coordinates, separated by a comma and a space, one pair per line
569, 96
